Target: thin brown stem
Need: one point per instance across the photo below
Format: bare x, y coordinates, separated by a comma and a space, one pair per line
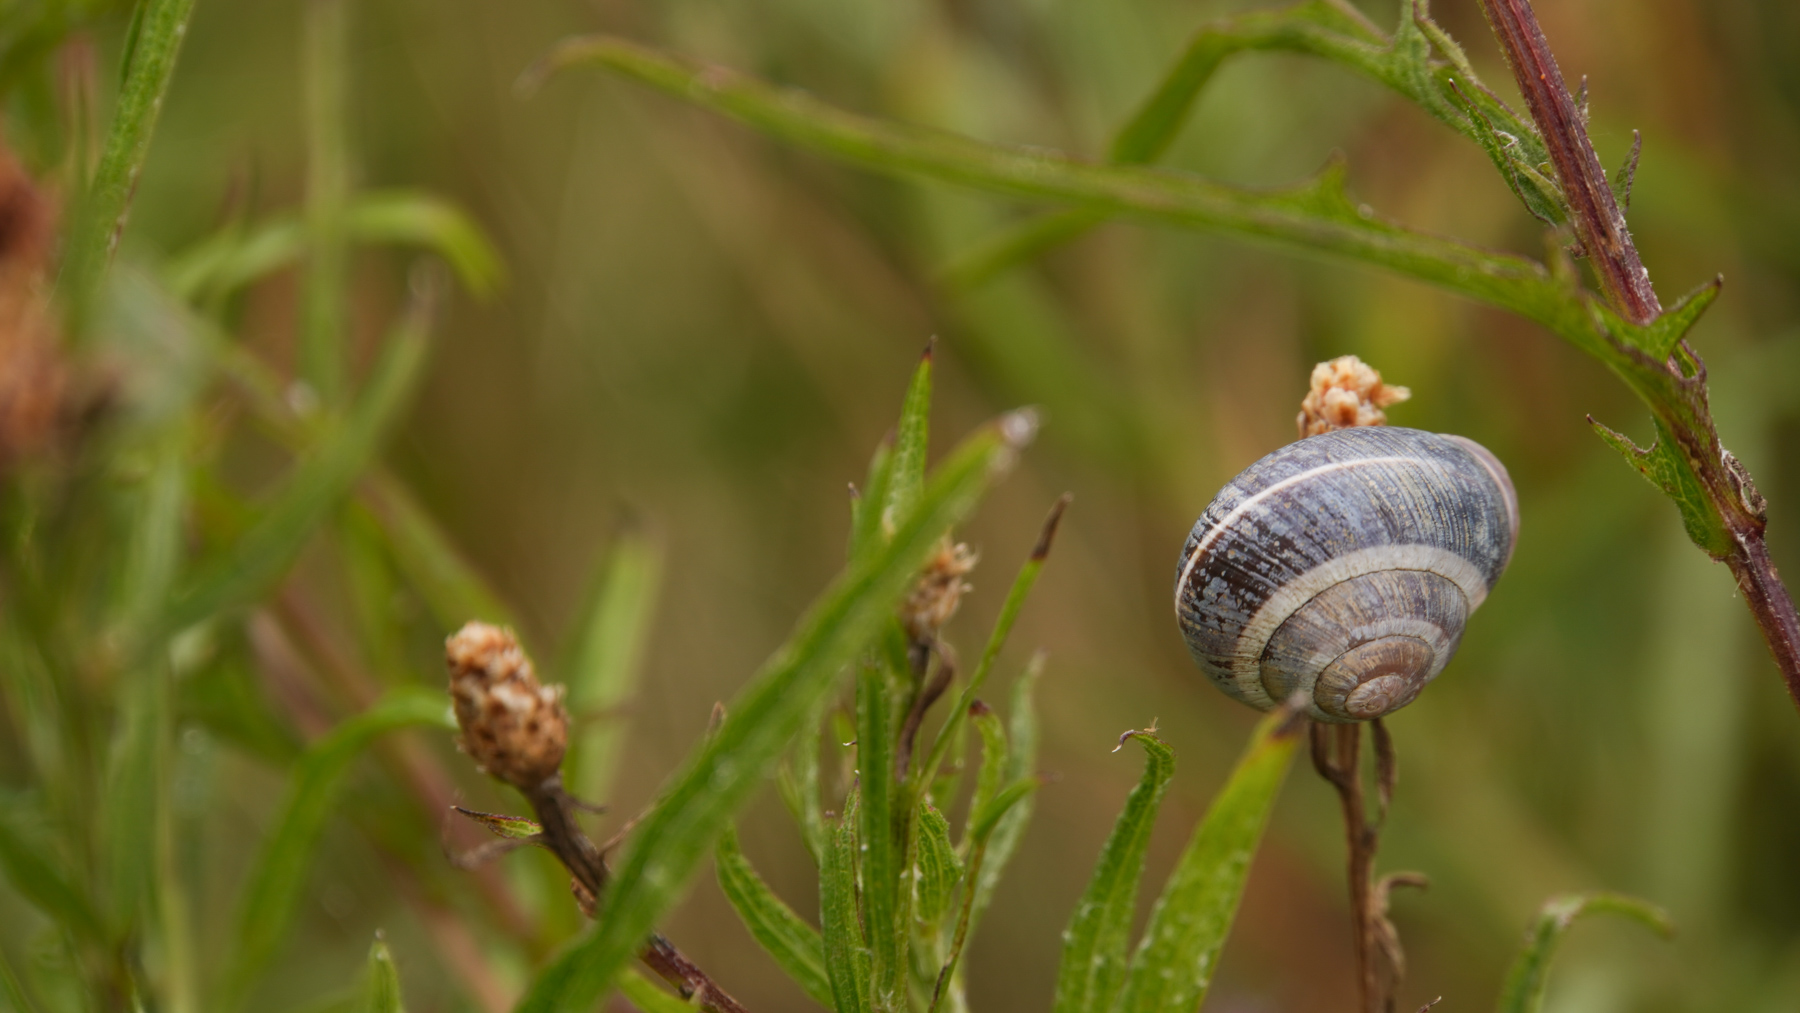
1769, 602
563, 836
1337, 756
1593, 210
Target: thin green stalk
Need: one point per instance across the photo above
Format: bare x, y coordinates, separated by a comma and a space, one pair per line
100, 222
325, 71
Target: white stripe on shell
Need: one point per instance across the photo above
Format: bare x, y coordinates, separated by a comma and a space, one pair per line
1249, 504
1246, 653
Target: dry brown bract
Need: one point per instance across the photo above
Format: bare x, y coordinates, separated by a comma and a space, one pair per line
34, 382
512, 727
938, 591
1346, 392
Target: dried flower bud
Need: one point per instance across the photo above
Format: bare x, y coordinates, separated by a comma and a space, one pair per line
1346, 392
512, 727
938, 591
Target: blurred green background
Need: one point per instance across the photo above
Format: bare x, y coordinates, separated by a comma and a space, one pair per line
704, 334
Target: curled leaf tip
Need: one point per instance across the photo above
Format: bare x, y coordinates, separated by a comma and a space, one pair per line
930, 349
1047, 536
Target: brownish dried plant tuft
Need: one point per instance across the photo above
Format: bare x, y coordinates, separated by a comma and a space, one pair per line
938, 591
513, 727
1346, 392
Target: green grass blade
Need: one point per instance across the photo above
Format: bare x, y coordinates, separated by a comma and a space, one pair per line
982, 824
911, 445
220, 265
949, 734
37, 876
278, 875
605, 659
798, 783
885, 838
1525, 982
1021, 768
846, 950
325, 86
136, 792
1176, 959
647, 996
1316, 217
719, 777
867, 508
252, 563
381, 982
1098, 939
100, 220
992, 772
794, 944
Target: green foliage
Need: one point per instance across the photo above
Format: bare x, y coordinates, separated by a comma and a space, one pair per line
381, 982
1525, 982
278, 874
793, 943
604, 658
1175, 961
1095, 943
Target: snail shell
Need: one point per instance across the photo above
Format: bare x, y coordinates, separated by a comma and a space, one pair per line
1345, 566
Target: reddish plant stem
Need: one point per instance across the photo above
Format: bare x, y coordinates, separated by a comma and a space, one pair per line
1600, 225
1337, 755
1592, 208
563, 836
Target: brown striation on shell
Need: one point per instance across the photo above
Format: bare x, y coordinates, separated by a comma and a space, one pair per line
513, 727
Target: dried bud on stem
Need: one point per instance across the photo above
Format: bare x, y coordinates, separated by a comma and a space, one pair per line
512, 727
34, 382
938, 591
1346, 392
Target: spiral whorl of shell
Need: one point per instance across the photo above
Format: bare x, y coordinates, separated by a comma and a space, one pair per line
1344, 566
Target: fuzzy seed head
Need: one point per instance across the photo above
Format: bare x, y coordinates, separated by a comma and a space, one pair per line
938, 591
1346, 392
512, 727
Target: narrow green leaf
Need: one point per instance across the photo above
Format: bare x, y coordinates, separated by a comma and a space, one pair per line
1664, 467
1099, 934
605, 659
798, 783
513, 828
381, 982
1021, 768
278, 875
846, 950
1155, 195
39, 877
103, 209
981, 828
1525, 982
765, 716
647, 996
992, 772
884, 836
787, 937
247, 568
950, 733
911, 443
866, 509
225, 262
938, 867
1175, 961
1659, 337
325, 88
136, 792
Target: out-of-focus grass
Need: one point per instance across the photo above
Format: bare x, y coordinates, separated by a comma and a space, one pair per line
708, 331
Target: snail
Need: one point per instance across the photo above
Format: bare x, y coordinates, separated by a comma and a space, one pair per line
1345, 566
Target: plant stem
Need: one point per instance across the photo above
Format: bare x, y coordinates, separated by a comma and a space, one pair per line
1601, 227
563, 836
1592, 207
1337, 756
